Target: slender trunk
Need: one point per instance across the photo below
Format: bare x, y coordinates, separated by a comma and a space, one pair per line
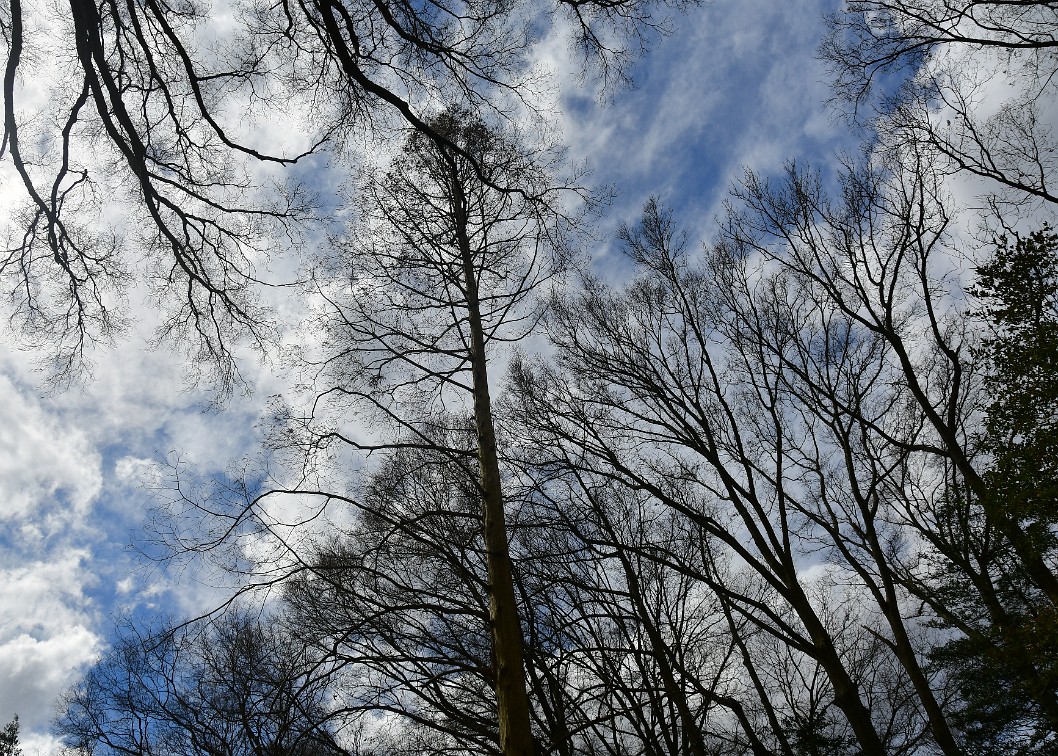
846, 693
747, 662
691, 734
905, 652
512, 700
886, 597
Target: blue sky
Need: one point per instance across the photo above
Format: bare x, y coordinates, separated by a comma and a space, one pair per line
736, 85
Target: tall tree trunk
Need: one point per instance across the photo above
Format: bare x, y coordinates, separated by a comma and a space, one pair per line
512, 700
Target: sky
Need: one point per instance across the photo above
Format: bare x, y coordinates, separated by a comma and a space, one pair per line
735, 86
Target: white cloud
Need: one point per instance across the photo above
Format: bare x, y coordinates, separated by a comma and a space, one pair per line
44, 634
47, 466
36, 670
125, 585
737, 85
67, 510
135, 470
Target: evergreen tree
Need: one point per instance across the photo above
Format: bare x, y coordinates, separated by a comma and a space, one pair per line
9, 739
1007, 673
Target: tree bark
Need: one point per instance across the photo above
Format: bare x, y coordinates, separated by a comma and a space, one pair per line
512, 700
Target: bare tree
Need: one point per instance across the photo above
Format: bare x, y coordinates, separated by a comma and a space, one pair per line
395, 605
972, 82
154, 124
649, 656
874, 39
234, 687
803, 392
419, 294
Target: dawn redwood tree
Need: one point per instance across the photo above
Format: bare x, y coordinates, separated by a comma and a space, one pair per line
460, 235
463, 230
